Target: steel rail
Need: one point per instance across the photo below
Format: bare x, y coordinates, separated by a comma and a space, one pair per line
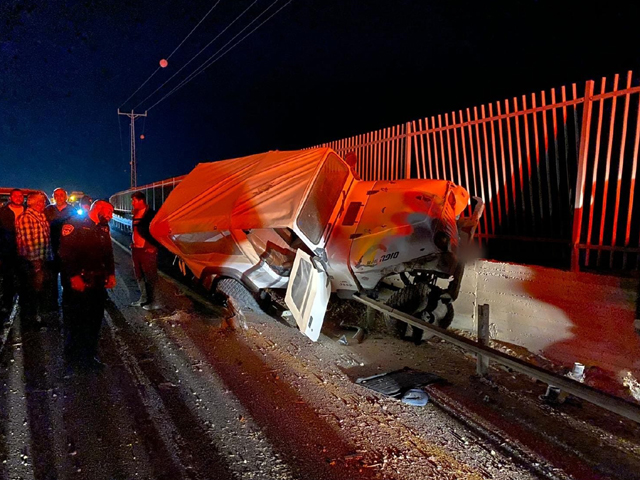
590, 394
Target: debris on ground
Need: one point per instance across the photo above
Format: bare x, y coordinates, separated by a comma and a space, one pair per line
415, 397
396, 384
629, 381
178, 316
358, 336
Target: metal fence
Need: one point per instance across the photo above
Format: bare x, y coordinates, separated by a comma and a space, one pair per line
155, 193
530, 159
556, 170
606, 229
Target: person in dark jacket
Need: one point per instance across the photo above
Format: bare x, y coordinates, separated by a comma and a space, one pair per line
144, 253
57, 214
9, 213
88, 269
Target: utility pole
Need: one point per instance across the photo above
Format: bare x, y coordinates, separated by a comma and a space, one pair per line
132, 130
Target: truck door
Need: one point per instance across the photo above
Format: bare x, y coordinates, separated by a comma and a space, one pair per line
308, 294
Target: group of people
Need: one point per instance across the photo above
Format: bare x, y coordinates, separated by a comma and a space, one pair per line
38, 244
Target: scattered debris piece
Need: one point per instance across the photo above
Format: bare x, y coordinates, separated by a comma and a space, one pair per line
632, 384
167, 386
577, 373
553, 396
395, 384
178, 316
358, 336
416, 397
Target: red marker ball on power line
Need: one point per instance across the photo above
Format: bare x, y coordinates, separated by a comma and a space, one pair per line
164, 63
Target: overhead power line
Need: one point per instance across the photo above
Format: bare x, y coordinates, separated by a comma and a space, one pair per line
194, 29
209, 62
138, 89
196, 55
174, 51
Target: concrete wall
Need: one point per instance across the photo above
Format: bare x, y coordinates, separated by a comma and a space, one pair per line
566, 317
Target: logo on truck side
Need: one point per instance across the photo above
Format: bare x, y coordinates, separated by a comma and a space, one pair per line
388, 256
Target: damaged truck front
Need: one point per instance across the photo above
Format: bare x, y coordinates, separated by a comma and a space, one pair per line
304, 221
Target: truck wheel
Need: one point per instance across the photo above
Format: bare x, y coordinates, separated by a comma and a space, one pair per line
410, 300
242, 297
447, 319
421, 300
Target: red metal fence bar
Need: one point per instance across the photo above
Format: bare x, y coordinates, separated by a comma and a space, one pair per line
594, 177
546, 155
496, 175
512, 170
455, 143
554, 124
607, 167
488, 171
620, 167
582, 167
634, 167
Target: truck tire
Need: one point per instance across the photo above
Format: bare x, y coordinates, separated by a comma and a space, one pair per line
420, 300
242, 297
408, 300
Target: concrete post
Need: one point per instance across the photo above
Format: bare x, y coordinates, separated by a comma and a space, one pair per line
482, 366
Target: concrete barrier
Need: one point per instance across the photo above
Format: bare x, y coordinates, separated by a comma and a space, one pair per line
564, 316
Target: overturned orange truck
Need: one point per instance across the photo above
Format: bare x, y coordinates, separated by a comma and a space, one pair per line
302, 220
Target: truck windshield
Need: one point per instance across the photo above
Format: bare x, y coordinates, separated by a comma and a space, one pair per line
322, 198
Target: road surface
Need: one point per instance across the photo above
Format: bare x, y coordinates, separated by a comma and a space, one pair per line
184, 395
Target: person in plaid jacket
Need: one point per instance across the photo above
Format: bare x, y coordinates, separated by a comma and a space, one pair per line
33, 237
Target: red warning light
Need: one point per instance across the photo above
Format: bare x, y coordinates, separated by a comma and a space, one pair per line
164, 63
141, 137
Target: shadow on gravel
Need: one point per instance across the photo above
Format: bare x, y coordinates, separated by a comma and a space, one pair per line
195, 450
41, 354
311, 446
84, 424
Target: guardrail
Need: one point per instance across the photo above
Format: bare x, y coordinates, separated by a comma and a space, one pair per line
121, 223
609, 402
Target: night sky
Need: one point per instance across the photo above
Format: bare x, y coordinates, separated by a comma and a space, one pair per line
319, 70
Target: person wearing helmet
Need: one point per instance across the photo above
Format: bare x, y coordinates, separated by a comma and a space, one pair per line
85, 205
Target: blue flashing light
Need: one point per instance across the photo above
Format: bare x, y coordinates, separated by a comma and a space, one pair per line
80, 211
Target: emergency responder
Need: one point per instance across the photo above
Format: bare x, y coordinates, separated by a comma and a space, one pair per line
57, 215
85, 205
144, 253
86, 256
